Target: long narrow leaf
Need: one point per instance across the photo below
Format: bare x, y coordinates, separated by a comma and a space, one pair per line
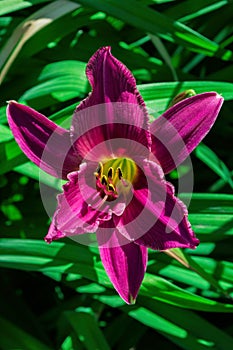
36, 256
158, 24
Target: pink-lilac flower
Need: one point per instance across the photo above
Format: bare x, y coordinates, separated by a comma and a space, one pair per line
114, 161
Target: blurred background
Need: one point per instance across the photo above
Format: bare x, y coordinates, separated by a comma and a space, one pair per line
58, 296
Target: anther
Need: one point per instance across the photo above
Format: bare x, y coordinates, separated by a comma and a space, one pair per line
120, 174
110, 173
99, 171
111, 188
104, 180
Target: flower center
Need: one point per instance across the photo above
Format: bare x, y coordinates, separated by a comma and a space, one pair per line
115, 177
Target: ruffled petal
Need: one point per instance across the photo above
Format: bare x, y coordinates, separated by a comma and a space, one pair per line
182, 127
44, 143
111, 81
155, 218
125, 265
78, 207
113, 110
172, 229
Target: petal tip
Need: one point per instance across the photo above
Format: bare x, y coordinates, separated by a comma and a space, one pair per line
216, 96
107, 48
11, 102
220, 97
132, 300
128, 299
48, 239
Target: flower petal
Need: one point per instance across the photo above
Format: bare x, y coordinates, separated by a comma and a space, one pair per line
111, 81
182, 127
114, 109
45, 143
172, 229
125, 266
74, 214
110, 130
155, 218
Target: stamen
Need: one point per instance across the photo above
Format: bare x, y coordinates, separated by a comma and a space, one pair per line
99, 170
101, 203
104, 180
110, 173
115, 177
120, 174
111, 188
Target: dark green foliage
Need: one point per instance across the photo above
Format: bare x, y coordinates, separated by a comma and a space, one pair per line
58, 296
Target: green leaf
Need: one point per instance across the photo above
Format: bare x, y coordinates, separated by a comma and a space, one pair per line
7, 6
219, 184
196, 333
31, 170
182, 327
158, 95
12, 337
209, 203
28, 31
211, 215
191, 264
59, 80
189, 9
162, 290
205, 154
214, 227
5, 133
157, 42
221, 270
129, 331
10, 156
65, 258
156, 23
86, 328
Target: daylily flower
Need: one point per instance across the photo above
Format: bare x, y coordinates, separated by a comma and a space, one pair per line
115, 161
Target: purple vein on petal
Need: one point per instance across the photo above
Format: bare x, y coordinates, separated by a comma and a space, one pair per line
125, 266
170, 227
44, 143
182, 127
155, 218
114, 109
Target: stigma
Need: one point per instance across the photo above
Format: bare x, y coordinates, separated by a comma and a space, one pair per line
115, 177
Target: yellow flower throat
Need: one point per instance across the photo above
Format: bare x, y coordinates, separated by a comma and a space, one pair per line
115, 176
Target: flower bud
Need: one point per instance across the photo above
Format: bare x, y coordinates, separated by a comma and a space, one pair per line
182, 96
